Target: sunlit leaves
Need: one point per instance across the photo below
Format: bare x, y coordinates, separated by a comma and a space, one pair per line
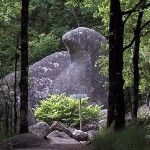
66, 110
42, 46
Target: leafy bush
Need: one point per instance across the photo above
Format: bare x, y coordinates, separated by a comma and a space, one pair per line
42, 46
133, 138
65, 110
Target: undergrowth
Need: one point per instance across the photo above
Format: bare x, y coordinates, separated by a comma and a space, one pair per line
131, 138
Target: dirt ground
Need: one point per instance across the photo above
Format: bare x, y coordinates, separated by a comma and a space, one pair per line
53, 147
61, 147
33, 142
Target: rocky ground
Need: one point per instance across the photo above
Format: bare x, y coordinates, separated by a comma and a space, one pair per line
33, 142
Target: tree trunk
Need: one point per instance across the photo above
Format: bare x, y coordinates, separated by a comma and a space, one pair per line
135, 60
15, 94
116, 106
111, 101
16, 44
24, 68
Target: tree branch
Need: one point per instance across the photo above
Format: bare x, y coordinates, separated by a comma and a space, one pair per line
145, 24
135, 9
130, 44
138, 21
145, 33
75, 17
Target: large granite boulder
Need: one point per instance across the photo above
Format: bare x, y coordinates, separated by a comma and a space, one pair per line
69, 72
44, 74
81, 76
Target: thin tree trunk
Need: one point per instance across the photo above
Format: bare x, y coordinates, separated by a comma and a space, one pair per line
16, 43
135, 66
129, 96
24, 68
15, 95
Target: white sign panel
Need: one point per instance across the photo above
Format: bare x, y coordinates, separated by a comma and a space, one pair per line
78, 96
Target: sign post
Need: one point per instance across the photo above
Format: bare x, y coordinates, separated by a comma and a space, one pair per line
79, 97
80, 113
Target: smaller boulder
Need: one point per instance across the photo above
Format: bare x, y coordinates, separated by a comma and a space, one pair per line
103, 114
79, 135
41, 129
25, 141
75, 134
92, 134
102, 123
57, 137
90, 126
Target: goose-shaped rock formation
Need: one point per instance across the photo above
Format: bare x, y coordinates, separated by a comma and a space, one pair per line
81, 76
69, 72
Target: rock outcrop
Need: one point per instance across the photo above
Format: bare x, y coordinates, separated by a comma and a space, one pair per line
59, 134
69, 72
75, 134
44, 74
81, 76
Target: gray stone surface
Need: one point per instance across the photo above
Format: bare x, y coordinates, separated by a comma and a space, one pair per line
44, 74
57, 137
90, 126
103, 114
92, 134
81, 76
70, 72
73, 133
33, 142
102, 123
25, 141
41, 129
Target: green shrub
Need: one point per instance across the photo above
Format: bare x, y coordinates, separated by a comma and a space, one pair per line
42, 46
65, 110
135, 138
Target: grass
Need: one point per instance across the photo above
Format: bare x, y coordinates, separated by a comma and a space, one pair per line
133, 138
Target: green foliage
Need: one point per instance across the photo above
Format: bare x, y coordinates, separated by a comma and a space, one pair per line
65, 110
42, 46
129, 26
9, 30
138, 122
86, 15
133, 138
48, 21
